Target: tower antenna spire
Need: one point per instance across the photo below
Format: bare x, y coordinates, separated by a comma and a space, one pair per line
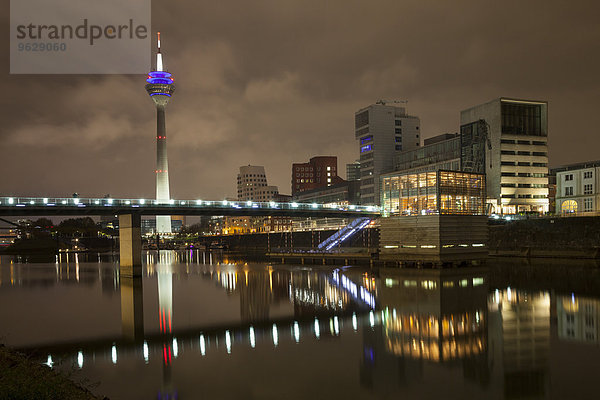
159, 61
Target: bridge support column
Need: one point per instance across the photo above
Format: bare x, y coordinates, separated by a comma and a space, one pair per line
130, 245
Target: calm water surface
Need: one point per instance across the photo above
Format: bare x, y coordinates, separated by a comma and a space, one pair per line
200, 326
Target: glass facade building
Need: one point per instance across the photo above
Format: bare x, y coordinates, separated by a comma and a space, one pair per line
438, 192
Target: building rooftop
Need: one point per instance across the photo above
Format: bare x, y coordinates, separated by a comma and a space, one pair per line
571, 167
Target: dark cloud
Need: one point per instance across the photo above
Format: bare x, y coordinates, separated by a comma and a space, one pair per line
276, 82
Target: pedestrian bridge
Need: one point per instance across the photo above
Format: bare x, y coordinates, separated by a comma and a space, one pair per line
38, 206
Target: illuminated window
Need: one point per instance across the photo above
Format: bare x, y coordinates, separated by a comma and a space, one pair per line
365, 148
569, 206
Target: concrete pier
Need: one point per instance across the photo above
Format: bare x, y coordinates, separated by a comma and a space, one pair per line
130, 245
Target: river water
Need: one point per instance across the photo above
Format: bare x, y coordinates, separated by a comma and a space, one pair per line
198, 325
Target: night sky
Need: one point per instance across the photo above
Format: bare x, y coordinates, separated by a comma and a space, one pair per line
276, 82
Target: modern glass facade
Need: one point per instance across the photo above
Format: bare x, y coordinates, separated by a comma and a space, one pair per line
430, 154
439, 192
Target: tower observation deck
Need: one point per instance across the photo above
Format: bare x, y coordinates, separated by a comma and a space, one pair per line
160, 87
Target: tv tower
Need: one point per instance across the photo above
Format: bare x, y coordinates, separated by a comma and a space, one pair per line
160, 88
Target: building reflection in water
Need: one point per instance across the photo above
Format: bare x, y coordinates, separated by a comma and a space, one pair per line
578, 319
434, 317
414, 323
520, 339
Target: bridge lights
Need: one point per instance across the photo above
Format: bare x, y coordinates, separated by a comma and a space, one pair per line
45, 200
275, 335
315, 205
146, 352
175, 348
80, 359
171, 202
96, 202
294, 205
224, 202
202, 345
317, 329
249, 203
110, 201
228, 341
11, 201
198, 202
142, 202
63, 202
127, 202
273, 204
252, 337
114, 354
296, 332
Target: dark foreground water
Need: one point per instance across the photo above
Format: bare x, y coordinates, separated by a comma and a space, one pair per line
198, 326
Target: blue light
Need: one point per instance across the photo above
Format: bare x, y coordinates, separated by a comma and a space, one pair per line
365, 148
159, 77
366, 139
160, 94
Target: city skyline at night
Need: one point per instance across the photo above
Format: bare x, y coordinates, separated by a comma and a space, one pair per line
269, 91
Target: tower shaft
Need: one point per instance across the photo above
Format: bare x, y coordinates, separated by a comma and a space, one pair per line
163, 222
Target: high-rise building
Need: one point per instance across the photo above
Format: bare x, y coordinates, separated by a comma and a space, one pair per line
353, 171
252, 184
513, 150
160, 88
320, 171
382, 131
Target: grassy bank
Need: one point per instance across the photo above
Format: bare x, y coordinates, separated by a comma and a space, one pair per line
21, 378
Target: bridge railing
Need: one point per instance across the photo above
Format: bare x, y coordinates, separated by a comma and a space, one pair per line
140, 203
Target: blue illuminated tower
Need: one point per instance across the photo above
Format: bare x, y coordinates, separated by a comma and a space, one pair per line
160, 88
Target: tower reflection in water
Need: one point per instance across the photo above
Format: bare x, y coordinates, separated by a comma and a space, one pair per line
415, 324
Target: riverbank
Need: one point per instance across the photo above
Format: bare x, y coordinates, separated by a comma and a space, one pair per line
21, 378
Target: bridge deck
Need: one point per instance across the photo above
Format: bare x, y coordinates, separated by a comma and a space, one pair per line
37, 206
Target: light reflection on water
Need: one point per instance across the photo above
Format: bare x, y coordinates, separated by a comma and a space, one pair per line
484, 332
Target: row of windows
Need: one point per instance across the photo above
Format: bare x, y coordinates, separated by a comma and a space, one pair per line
586, 175
523, 164
524, 153
524, 174
366, 139
368, 181
524, 196
534, 142
524, 185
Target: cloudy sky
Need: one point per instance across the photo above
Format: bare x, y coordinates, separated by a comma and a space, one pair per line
275, 82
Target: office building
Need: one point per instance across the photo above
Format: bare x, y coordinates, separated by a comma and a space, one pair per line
353, 171
252, 184
160, 88
577, 187
320, 171
438, 152
382, 131
344, 193
507, 139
